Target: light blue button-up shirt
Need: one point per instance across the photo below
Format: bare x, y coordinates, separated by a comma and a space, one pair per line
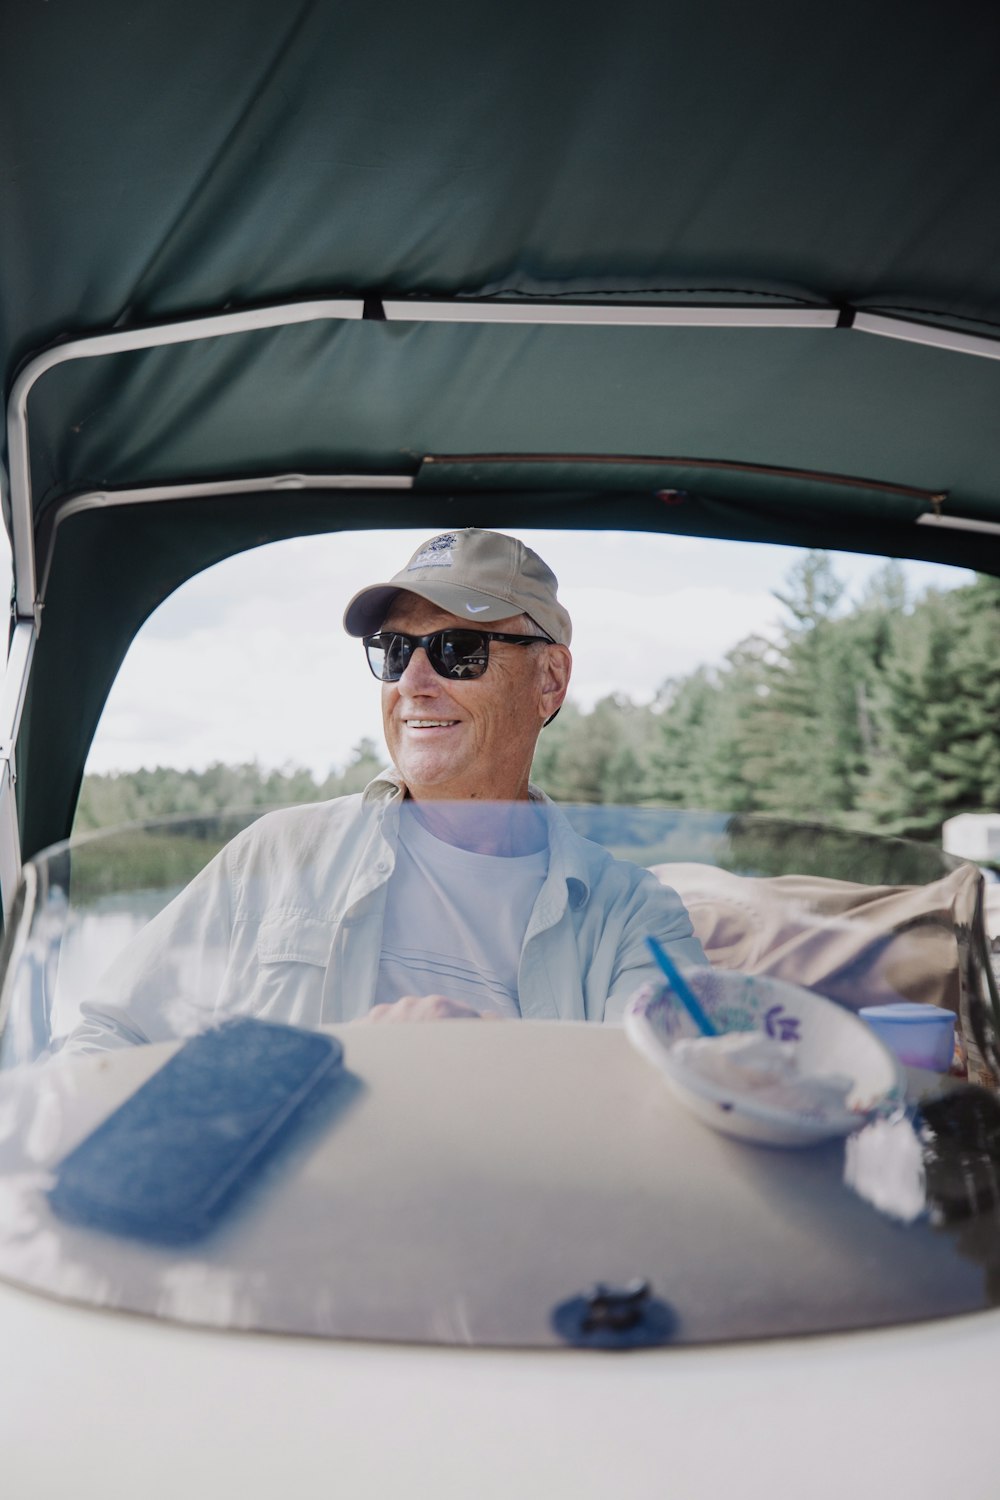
286, 924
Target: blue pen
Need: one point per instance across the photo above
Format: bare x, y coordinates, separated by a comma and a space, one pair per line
682, 989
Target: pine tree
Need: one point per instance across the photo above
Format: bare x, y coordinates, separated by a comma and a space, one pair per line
914, 713
730, 752
967, 762
685, 713
808, 751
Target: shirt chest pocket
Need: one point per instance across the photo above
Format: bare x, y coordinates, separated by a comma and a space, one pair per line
293, 954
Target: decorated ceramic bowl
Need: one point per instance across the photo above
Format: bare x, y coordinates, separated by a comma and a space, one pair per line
819, 1041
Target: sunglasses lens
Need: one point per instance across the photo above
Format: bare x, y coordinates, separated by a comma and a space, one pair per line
397, 656
387, 656
460, 653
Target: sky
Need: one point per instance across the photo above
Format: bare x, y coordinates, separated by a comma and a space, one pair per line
249, 661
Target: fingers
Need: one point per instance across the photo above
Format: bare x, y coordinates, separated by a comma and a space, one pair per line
421, 1008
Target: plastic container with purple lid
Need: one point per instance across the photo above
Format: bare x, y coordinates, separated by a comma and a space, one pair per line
921, 1036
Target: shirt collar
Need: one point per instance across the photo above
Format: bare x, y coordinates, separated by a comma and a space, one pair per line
386, 787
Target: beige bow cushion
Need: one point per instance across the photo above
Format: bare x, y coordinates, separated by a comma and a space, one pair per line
858, 944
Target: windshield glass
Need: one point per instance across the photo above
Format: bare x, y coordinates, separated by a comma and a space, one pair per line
204, 1119
363, 1004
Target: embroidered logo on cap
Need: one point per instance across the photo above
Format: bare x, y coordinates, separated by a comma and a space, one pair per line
437, 554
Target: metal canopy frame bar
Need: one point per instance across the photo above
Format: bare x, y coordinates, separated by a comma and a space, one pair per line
109, 499
959, 523
15, 685
214, 489
12, 694
608, 315
925, 333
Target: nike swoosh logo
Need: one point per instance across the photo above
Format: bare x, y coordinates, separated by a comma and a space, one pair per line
476, 609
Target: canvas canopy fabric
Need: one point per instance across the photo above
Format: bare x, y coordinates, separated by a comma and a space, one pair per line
162, 162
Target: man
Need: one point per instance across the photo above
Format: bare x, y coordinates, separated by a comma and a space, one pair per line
450, 888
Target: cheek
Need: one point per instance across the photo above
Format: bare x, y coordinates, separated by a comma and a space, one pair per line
513, 711
524, 695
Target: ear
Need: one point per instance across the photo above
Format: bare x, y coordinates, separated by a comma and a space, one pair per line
555, 675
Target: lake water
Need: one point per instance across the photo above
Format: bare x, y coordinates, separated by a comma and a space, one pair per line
93, 937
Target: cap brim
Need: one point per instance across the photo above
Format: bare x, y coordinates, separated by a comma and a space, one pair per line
366, 612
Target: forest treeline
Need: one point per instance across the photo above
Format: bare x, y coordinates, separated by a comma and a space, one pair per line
881, 714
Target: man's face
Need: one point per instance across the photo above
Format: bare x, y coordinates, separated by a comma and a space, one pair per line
474, 739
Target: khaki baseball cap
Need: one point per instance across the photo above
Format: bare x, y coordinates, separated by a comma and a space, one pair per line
476, 575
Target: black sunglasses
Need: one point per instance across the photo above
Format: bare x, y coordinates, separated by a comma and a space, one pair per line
458, 654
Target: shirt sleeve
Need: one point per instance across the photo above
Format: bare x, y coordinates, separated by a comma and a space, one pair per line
657, 911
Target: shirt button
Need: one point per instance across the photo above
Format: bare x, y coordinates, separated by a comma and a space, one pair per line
381, 867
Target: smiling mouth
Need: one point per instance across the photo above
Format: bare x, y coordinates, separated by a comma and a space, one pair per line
430, 723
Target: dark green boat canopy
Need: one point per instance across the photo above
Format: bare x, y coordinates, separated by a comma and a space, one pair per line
725, 268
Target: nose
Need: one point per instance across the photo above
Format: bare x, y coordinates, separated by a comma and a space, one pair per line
419, 676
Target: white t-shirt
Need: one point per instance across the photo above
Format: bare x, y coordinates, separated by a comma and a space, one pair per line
455, 921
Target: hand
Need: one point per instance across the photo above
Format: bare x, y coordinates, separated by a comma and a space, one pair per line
424, 1008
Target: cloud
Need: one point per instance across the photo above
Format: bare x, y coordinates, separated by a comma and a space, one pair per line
631, 644
240, 693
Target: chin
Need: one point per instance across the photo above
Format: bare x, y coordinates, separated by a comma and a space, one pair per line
426, 775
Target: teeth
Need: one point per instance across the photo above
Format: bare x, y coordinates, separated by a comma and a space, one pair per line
430, 723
